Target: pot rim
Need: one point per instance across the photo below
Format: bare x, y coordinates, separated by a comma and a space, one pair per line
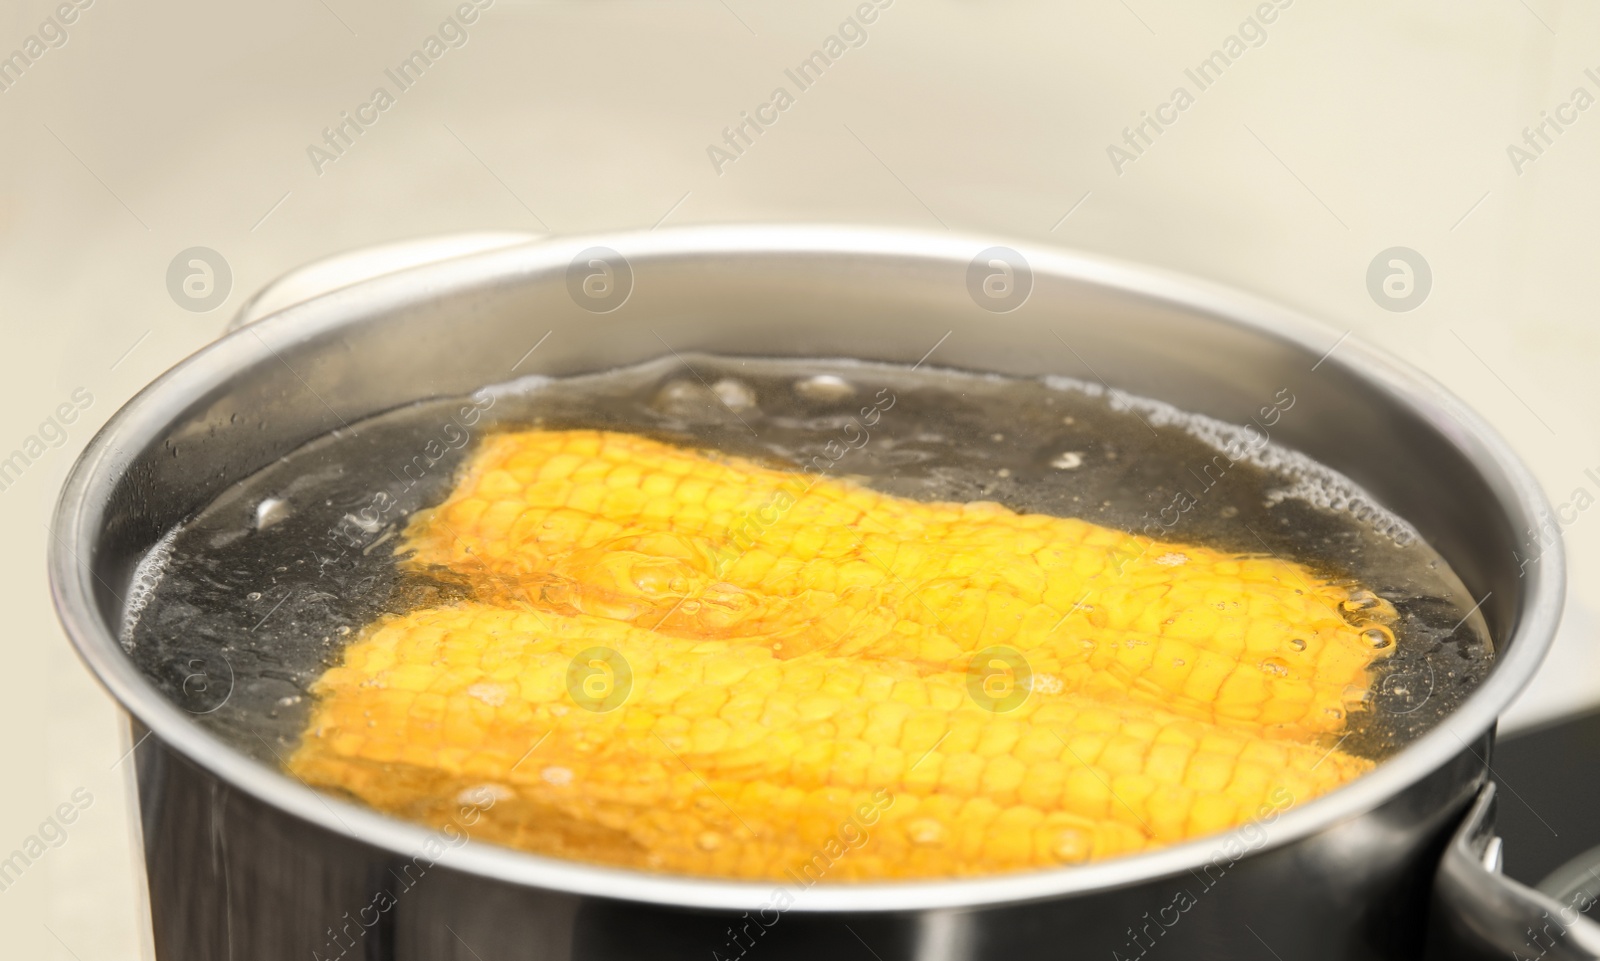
76, 523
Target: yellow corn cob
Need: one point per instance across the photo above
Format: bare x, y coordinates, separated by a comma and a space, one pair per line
815, 670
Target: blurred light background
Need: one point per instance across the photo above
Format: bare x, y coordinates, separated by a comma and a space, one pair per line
132, 132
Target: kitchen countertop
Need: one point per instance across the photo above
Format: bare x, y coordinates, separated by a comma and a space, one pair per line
1323, 136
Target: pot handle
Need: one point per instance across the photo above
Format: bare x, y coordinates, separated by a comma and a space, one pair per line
366, 263
1479, 914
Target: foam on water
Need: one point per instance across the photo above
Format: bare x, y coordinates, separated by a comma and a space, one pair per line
1304, 479
147, 575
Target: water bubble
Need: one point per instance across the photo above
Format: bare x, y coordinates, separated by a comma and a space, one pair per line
365, 524
734, 394
1068, 460
1378, 638
1071, 845
925, 832
253, 596
273, 510
1403, 692
1275, 666
1297, 643
489, 693
685, 398
824, 389
1356, 698
1360, 601
482, 795
1046, 684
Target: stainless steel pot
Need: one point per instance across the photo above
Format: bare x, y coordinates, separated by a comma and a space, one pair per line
245, 862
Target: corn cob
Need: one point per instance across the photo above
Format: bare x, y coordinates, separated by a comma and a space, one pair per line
811, 669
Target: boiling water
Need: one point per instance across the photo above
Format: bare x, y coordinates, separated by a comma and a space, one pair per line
235, 613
